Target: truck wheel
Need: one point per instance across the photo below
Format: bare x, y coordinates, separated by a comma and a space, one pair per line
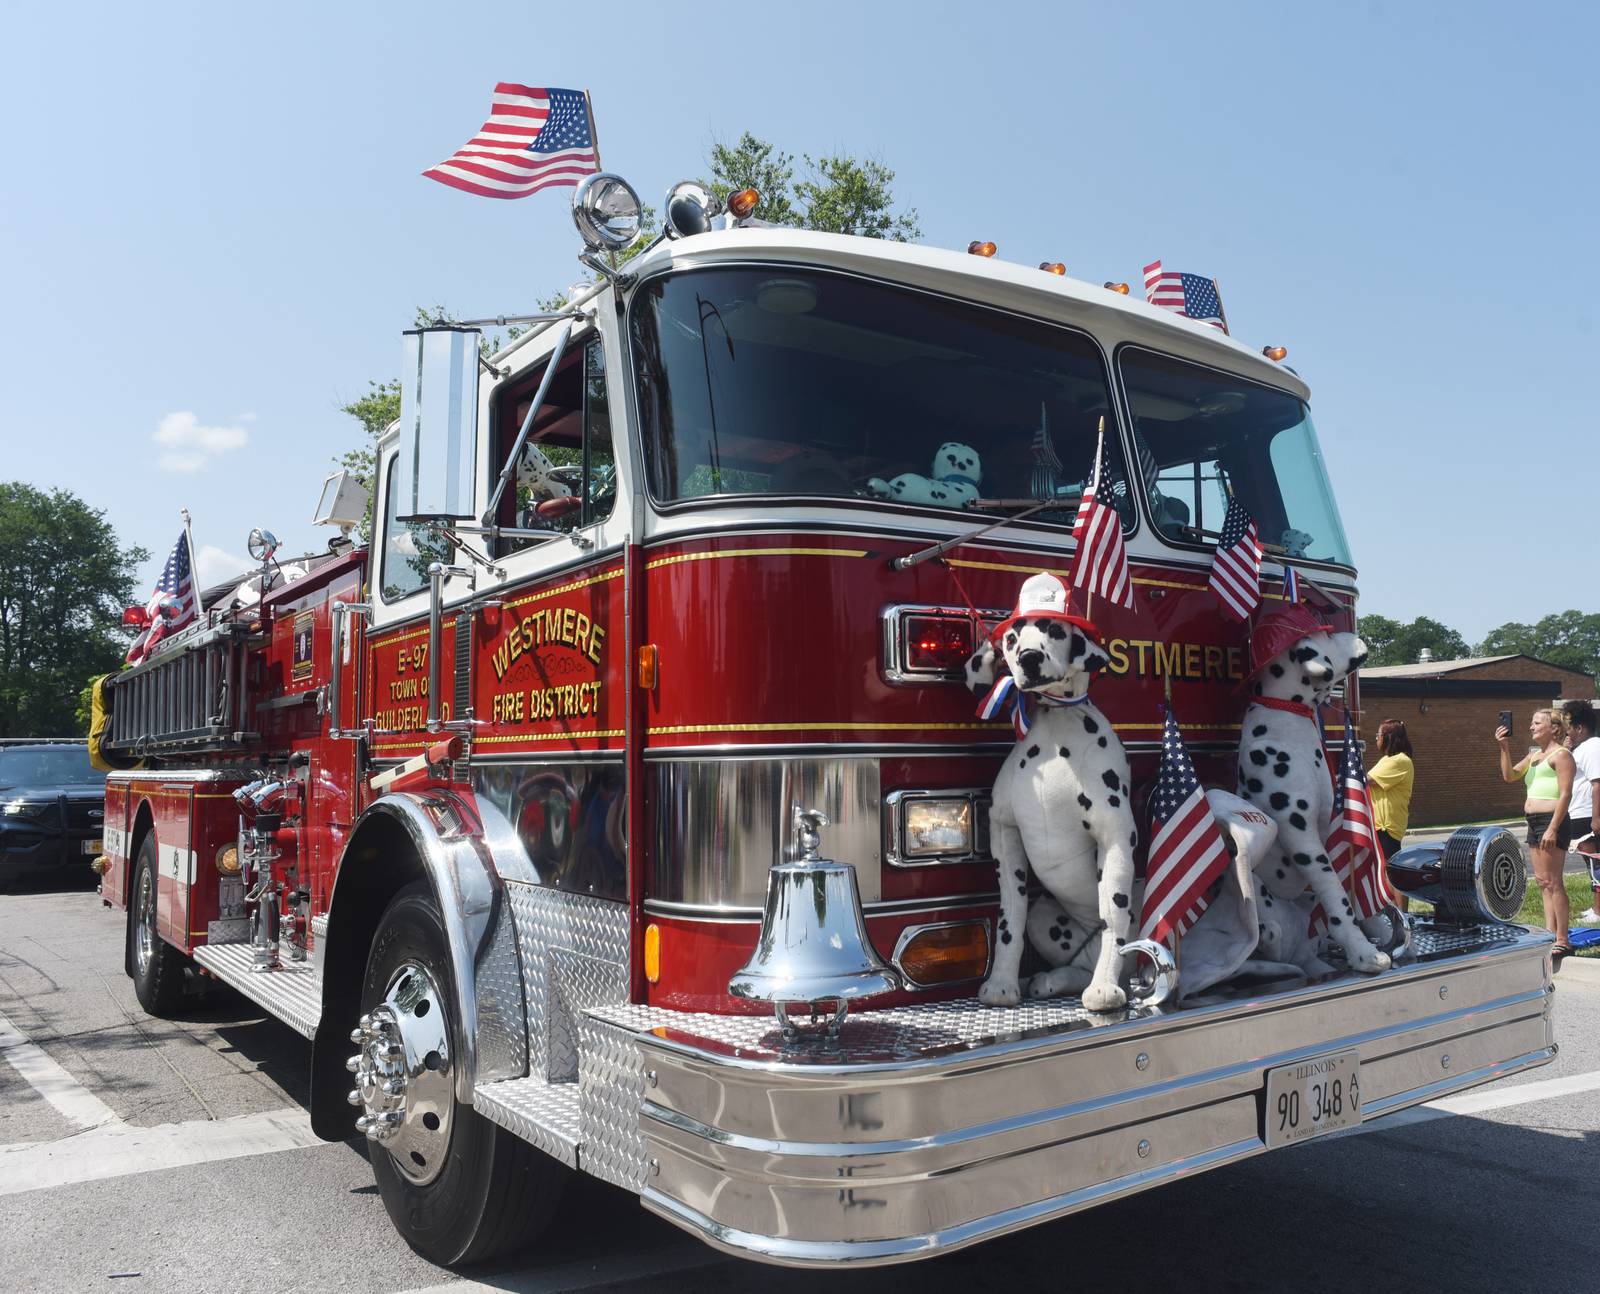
157, 965
458, 1188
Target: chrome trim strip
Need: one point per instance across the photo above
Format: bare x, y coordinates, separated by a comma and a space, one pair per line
895, 750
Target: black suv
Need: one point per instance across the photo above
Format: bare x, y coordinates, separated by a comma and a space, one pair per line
52, 807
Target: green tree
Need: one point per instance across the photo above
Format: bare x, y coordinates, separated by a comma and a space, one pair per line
838, 195
64, 580
1391, 642
1570, 639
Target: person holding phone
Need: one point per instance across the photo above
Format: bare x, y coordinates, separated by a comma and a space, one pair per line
1547, 772
1584, 811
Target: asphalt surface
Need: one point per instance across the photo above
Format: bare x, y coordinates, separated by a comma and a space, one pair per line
139, 1154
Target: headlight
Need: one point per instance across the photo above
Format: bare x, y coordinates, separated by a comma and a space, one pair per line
937, 826
18, 809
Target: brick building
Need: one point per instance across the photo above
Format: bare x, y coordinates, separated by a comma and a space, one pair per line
1450, 709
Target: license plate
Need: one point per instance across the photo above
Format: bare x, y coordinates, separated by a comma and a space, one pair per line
95, 846
1311, 1097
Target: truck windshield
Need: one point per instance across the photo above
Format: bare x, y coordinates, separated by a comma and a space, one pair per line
778, 381
48, 766
1201, 433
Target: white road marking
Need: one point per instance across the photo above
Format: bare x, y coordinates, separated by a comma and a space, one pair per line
120, 1150
590, 1274
52, 1082
1483, 1100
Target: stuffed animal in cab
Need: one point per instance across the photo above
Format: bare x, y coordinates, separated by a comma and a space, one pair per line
953, 483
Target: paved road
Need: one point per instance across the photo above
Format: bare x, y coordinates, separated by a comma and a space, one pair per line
138, 1154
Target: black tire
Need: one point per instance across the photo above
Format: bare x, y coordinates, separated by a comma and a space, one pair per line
496, 1192
156, 966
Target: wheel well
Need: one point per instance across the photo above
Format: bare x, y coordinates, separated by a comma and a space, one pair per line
378, 862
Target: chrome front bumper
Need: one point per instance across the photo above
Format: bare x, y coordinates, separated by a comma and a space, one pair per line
925, 1129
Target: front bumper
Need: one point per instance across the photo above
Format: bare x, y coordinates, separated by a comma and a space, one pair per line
925, 1129
27, 847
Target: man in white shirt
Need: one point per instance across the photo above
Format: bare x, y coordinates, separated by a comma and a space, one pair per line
1584, 810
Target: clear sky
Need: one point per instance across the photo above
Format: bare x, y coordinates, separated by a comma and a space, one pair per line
213, 228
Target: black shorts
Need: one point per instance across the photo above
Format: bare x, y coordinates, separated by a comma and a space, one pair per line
1539, 823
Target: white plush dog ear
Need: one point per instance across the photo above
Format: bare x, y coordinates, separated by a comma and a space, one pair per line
981, 667
1092, 658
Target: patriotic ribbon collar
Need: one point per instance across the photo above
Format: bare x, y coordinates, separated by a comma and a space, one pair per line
1005, 693
1288, 707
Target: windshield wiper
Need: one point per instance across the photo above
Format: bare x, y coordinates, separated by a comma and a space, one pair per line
938, 550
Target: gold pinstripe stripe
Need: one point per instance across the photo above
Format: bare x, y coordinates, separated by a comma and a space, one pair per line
566, 588
754, 552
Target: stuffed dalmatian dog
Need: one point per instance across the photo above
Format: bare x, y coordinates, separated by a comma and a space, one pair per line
1283, 771
953, 482
534, 474
1061, 804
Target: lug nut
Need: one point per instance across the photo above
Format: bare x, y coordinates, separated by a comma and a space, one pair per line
354, 1063
394, 1087
353, 1096
390, 1051
364, 1123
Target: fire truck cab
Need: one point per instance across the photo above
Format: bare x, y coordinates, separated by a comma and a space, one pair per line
639, 723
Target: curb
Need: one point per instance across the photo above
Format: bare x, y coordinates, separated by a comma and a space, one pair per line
1585, 969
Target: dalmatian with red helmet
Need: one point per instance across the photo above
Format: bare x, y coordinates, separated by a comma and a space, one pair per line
1296, 663
1061, 805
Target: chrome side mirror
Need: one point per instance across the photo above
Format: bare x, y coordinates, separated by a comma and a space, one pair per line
434, 474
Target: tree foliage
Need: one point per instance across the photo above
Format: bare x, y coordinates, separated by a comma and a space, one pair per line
1391, 642
838, 195
1570, 639
64, 580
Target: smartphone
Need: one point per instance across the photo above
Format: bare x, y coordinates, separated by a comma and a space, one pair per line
1505, 720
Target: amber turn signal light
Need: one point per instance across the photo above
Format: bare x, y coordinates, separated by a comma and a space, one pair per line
945, 954
1118, 287
1053, 267
1275, 352
742, 203
652, 952
977, 248
647, 667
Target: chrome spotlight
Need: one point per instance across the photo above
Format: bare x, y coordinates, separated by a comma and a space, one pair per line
813, 946
262, 544
607, 212
1476, 876
689, 209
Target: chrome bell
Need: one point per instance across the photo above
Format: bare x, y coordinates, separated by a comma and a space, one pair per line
813, 946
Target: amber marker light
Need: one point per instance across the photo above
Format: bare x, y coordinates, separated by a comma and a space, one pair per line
228, 860
1275, 352
742, 203
977, 248
945, 954
647, 667
1117, 287
652, 952
1053, 267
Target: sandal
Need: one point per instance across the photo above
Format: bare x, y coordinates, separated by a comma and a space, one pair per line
1558, 951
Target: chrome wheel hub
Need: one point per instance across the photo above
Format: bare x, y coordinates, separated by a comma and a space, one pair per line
144, 923
404, 1082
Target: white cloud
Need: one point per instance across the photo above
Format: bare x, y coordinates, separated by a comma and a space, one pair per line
188, 446
217, 565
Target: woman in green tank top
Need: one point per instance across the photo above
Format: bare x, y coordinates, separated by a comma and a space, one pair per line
1547, 771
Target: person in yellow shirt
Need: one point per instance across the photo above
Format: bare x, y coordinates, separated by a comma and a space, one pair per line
1391, 778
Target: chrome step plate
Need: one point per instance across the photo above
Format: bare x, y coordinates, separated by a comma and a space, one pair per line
292, 994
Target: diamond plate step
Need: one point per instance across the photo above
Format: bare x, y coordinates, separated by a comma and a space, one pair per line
543, 1113
292, 994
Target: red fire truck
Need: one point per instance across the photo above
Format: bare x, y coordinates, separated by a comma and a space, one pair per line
649, 684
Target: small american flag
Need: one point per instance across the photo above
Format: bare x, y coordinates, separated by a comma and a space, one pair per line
1353, 847
174, 591
1236, 565
1187, 852
533, 139
1101, 563
1291, 585
1191, 295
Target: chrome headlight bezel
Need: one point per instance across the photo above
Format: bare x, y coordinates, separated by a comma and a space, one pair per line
964, 804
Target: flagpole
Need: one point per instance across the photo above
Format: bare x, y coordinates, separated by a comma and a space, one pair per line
594, 139
1177, 935
194, 567
1217, 288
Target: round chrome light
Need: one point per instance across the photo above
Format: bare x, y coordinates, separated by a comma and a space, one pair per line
607, 212
688, 209
262, 544
228, 859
